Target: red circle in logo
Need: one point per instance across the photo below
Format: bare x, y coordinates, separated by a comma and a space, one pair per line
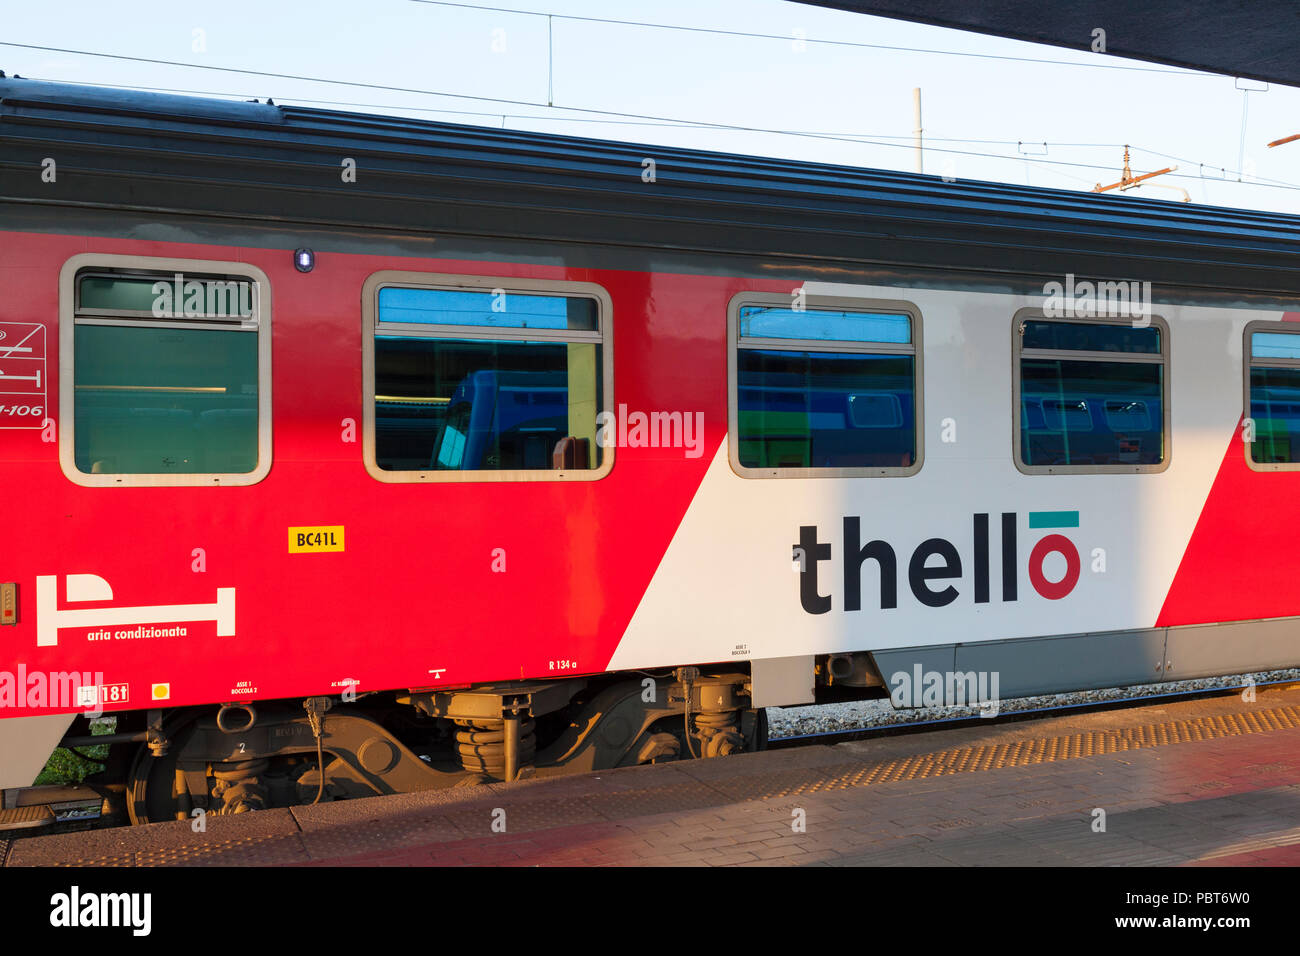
1054, 590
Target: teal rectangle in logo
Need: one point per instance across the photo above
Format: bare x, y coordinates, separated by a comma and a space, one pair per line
1053, 519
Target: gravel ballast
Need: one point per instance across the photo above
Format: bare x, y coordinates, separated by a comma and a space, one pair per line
857, 715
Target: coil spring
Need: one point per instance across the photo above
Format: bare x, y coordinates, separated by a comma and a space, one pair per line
239, 786
719, 733
716, 722
481, 745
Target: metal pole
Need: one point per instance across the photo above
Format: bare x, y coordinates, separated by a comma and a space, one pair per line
916, 131
511, 728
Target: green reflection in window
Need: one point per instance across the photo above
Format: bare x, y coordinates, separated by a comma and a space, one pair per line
165, 401
1275, 408
825, 409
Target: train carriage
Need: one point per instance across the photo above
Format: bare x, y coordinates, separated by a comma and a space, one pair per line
348, 454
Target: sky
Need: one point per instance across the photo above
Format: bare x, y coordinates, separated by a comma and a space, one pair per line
1060, 124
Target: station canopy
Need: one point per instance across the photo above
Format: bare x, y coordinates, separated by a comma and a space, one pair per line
1253, 39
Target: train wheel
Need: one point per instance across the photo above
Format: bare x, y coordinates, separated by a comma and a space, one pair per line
151, 785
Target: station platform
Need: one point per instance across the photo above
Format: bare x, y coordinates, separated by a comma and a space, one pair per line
1210, 782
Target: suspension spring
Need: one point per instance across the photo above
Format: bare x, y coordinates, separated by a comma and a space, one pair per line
239, 788
719, 733
481, 745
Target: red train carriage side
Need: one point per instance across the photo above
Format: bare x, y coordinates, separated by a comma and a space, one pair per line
492, 459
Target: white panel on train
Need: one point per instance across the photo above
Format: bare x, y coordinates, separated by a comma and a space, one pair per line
728, 587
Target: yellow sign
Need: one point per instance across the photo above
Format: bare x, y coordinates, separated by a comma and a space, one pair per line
314, 540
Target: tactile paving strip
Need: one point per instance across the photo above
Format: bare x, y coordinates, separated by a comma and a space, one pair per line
259, 850
1023, 753
249, 851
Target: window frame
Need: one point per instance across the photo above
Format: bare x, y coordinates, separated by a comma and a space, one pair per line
1248, 362
451, 282
69, 296
1138, 358
815, 303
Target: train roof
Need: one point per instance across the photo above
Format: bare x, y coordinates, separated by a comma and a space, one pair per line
173, 154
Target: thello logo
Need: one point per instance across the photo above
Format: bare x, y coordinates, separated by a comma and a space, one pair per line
937, 560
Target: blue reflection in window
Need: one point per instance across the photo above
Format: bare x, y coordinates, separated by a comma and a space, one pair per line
766, 322
1090, 337
451, 449
1128, 416
1091, 412
1281, 345
471, 405
504, 310
1066, 415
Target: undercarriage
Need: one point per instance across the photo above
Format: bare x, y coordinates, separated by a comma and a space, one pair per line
236, 758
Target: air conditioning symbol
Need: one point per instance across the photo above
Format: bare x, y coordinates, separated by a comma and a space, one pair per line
91, 587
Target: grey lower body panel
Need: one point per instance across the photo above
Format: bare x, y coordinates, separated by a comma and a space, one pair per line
1204, 650
783, 681
26, 743
1051, 665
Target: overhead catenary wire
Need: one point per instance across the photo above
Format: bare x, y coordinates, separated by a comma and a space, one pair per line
609, 116
495, 99
823, 41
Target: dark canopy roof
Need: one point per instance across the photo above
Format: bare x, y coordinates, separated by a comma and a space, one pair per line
1247, 38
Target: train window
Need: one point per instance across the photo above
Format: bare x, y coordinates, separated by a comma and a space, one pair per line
831, 388
485, 379
1272, 397
1091, 395
165, 372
